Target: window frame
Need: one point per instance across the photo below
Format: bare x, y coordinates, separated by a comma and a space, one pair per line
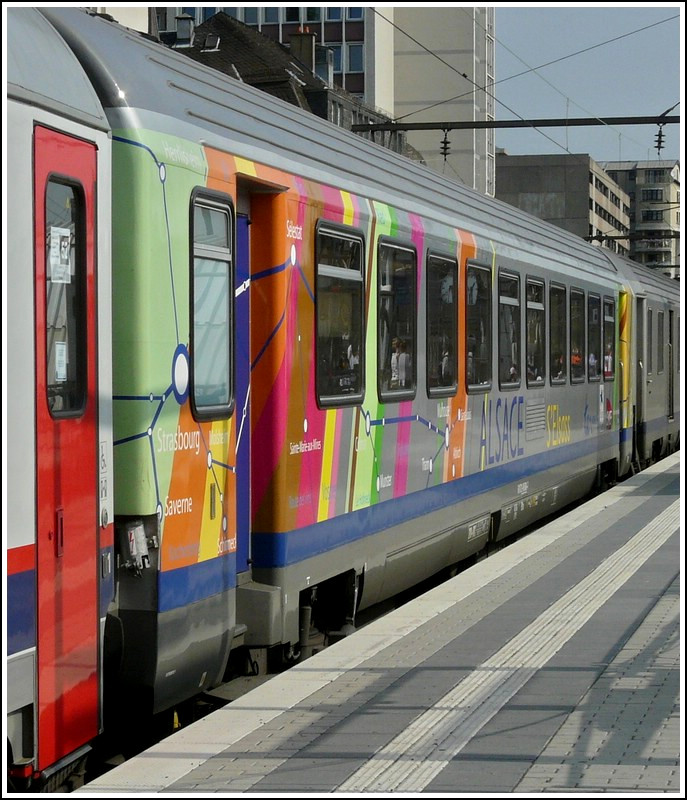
325, 227
660, 342
80, 300
609, 324
533, 383
507, 301
448, 390
349, 47
579, 293
208, 198
592, 298
485, 386
554, 380
396, 395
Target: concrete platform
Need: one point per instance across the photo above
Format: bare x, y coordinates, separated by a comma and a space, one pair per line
552, 666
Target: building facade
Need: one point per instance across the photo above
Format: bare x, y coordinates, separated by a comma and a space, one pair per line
137, 17
444, 71
570, 191
422, 64
653, 188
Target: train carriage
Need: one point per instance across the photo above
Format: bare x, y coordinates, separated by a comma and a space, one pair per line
335, 373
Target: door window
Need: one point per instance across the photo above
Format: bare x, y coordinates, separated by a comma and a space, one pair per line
65, 288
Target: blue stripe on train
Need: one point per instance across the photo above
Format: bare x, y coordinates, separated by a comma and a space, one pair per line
186, 585
21, 605
281, 549
21, 611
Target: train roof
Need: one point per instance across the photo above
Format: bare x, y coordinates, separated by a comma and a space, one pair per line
645, 280
43, 71
133, 73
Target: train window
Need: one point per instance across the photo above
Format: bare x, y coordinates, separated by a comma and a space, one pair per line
211, 307
536, 327
509, 331
609, 339
558, 332
65, 299
478, 327
577, 347
650, 342
442, 309
339, 304
660, 347
397, 315
594, 337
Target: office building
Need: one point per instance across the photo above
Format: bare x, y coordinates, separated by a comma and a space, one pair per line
422, 64
653, 188
570, 191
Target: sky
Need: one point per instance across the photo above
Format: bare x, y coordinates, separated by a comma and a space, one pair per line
639, 74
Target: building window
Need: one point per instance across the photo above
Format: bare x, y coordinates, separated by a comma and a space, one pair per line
509, 330
397, 314
211, 288
652, 195
336, 56
442, 306
250, 15
313, 14
577, 331
333, 14
655, 175
478, 327
292, 14
652, 215
355, 58
339, 304
270, 15
355, 13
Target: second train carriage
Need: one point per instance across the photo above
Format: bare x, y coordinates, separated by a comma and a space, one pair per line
335, 373
339, 259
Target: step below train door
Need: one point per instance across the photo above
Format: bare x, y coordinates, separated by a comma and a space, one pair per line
66, 443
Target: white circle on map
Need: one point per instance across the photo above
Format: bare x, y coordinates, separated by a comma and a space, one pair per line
181, 373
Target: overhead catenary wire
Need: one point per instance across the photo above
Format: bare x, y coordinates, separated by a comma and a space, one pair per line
484, 89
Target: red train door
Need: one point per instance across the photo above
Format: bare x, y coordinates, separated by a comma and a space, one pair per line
66, 442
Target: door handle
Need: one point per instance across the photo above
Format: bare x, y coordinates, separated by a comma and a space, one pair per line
59, 537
